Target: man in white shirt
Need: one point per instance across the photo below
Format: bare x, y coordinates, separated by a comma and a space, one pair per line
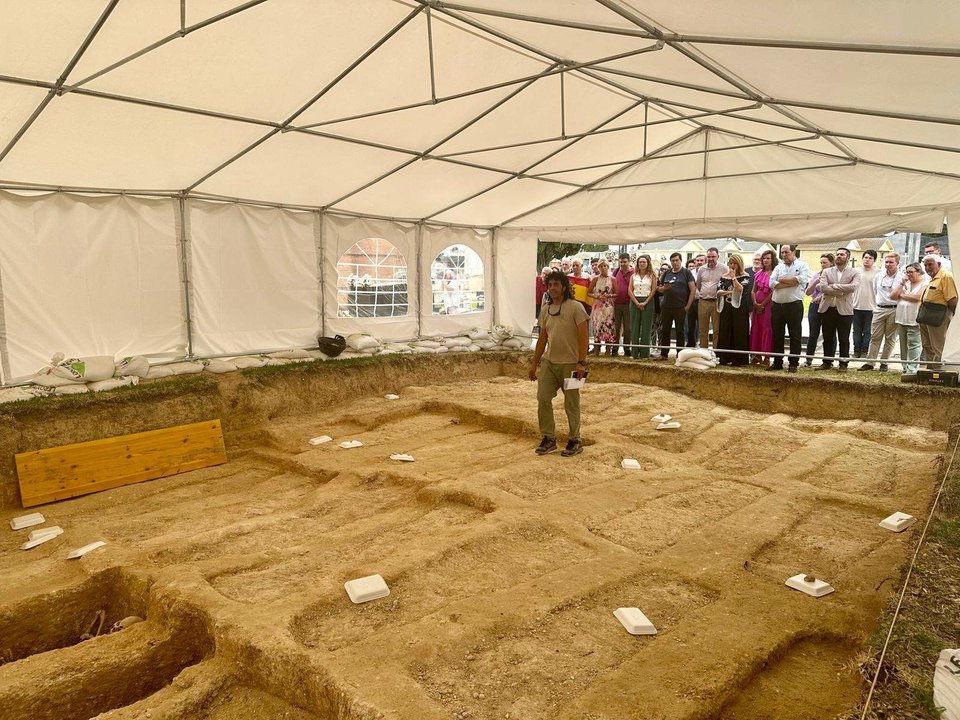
789, 281
708, 281
884, 326
837, 283
933, 248
864, 303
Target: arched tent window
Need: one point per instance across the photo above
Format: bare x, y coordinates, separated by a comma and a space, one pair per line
371, 280
457, 281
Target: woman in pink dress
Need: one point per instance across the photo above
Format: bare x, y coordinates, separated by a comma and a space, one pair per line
761, 332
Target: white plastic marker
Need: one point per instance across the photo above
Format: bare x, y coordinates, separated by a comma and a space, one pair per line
630, 464
898, 522
80, 552
320, 440
391, 396
347, 444
669, 426
634, 621
40, 539
40, 532
365, 589
25, 521
946, 683
661, 418
402, 457
810, 585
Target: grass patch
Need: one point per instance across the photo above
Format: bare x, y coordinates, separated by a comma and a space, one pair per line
928, 619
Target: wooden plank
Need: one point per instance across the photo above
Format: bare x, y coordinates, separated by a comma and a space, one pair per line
71, 470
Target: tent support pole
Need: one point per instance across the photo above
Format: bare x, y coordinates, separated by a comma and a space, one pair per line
704, 39
433, 74
182, 239
494, 305
320, 238
419, 284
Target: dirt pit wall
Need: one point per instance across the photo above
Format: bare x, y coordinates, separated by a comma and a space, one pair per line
246, 399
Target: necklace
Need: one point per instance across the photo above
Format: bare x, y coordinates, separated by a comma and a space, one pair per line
557, 313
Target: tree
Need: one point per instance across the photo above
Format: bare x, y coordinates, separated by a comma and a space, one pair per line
547, 251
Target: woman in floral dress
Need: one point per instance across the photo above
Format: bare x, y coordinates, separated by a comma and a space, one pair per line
603, 290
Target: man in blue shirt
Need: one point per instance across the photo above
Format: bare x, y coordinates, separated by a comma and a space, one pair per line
677, 288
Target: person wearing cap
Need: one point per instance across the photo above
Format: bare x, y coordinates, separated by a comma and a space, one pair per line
941, 291
561, 353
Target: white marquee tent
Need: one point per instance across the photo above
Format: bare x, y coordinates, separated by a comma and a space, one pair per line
183, 175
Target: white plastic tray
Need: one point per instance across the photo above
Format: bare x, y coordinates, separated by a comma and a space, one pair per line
661, 418
347, 444
391, 396
634, 621
817, 588
320, 440
80, 552
40, 532
669, 425
25, 521
402, 457
31, 543
898, 522
365, 589
630, 464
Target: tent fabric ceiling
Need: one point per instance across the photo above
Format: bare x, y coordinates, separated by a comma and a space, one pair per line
546, 113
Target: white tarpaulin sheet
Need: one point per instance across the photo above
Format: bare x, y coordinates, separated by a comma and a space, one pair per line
254, 278
87, 276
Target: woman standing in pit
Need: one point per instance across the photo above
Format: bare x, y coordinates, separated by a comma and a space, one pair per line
603, 290
642, 291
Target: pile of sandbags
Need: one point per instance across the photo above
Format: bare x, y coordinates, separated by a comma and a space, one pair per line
363, 344
697, 358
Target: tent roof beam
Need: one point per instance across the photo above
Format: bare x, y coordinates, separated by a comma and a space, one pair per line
706, 39
844, 163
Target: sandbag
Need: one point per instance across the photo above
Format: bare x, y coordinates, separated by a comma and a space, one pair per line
48, 378
112, 383
486, 344
688, 353
512, 344
458, 349
221, 366
417, 349
433, 344
362, 341
442, 349
474, 348
370, 350
695, 362
398, 348
136, 365
85, 369
159, 371
478, 334
77, 389
187, 367
292, 354
18, 393
501, 332
248, 361
457, 342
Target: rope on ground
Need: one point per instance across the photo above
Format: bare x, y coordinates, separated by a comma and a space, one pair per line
906, 582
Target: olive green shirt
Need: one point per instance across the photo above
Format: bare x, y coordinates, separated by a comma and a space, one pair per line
560, 322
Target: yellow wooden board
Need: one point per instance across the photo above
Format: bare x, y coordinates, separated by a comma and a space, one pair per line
71, 470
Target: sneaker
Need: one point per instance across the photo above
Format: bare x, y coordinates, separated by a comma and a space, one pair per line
792, 369
547, 445
574, 447
883, 367
865, 366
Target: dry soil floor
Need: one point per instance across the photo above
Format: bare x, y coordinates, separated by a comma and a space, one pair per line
504, 568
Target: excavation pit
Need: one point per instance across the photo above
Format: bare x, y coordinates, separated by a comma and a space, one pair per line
504, 567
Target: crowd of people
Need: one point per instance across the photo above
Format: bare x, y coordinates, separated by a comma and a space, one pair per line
747, 314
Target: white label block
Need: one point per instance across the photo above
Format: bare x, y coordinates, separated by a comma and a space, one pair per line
898, 522
814, 586
674, 425
40, 540
634, 621
391, 396
630, 464
347, 444
320, 440
40, 532
402, 457
80, 552
365, 589
661, 418
25, 521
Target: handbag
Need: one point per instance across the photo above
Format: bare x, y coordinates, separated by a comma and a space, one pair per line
932, 314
